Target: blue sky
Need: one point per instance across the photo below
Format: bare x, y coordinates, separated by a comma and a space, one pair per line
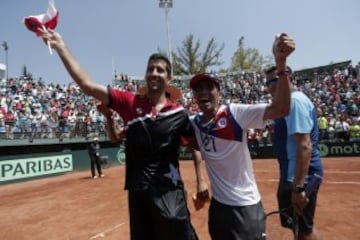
120, 34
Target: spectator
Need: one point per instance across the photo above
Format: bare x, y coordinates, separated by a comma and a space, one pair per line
44, 124
341, 128
323, 125
10, 120
2, 121
72, 119
62, 128
354, 130
265, 135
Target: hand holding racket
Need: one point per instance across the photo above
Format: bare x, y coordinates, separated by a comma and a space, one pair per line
312, 186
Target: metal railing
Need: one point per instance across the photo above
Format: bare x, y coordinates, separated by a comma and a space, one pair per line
79, 131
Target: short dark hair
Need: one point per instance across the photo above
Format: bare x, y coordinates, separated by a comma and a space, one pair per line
159, 56
270, 70
273, 68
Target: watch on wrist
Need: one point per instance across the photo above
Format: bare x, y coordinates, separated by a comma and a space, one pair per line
298, 188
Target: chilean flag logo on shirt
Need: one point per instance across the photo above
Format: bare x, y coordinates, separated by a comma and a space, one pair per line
222, 122
224, 125
44, 21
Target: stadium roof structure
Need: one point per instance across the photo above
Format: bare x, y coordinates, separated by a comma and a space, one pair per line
320, 69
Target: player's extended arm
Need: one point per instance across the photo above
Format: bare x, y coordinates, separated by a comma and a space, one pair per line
202, 187
78, 74
303, 156
202, 194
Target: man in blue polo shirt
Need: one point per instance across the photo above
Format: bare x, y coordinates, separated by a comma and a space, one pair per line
295, 143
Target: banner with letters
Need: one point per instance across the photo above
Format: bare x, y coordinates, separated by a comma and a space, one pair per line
34, 167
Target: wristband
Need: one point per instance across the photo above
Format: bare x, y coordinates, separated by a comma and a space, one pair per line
298, 188
283, 73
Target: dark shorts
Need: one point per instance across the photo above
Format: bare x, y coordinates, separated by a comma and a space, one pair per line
306, 221
160, 216
235, 222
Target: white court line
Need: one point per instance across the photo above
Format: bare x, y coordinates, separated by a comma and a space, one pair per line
325, 181
102, 234
345, 182
325, 172
267, 180
343, 172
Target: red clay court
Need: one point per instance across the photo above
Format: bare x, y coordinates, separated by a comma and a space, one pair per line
76, 207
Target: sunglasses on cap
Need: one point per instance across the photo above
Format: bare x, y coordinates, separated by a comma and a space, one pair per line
271, 81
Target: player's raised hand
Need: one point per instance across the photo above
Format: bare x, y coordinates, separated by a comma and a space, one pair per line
52, 38
283, 46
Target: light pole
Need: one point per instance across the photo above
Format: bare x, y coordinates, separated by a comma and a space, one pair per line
167, 4
6, 47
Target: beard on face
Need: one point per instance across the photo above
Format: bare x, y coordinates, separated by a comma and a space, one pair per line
156, 85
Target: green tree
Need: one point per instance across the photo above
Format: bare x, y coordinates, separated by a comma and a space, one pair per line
248, 59
190, 60
25, 72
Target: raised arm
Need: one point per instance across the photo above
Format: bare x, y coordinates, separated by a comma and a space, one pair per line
283, 46
78, 74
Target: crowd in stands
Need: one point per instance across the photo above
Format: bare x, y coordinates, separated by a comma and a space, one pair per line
32, 109
335, 93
